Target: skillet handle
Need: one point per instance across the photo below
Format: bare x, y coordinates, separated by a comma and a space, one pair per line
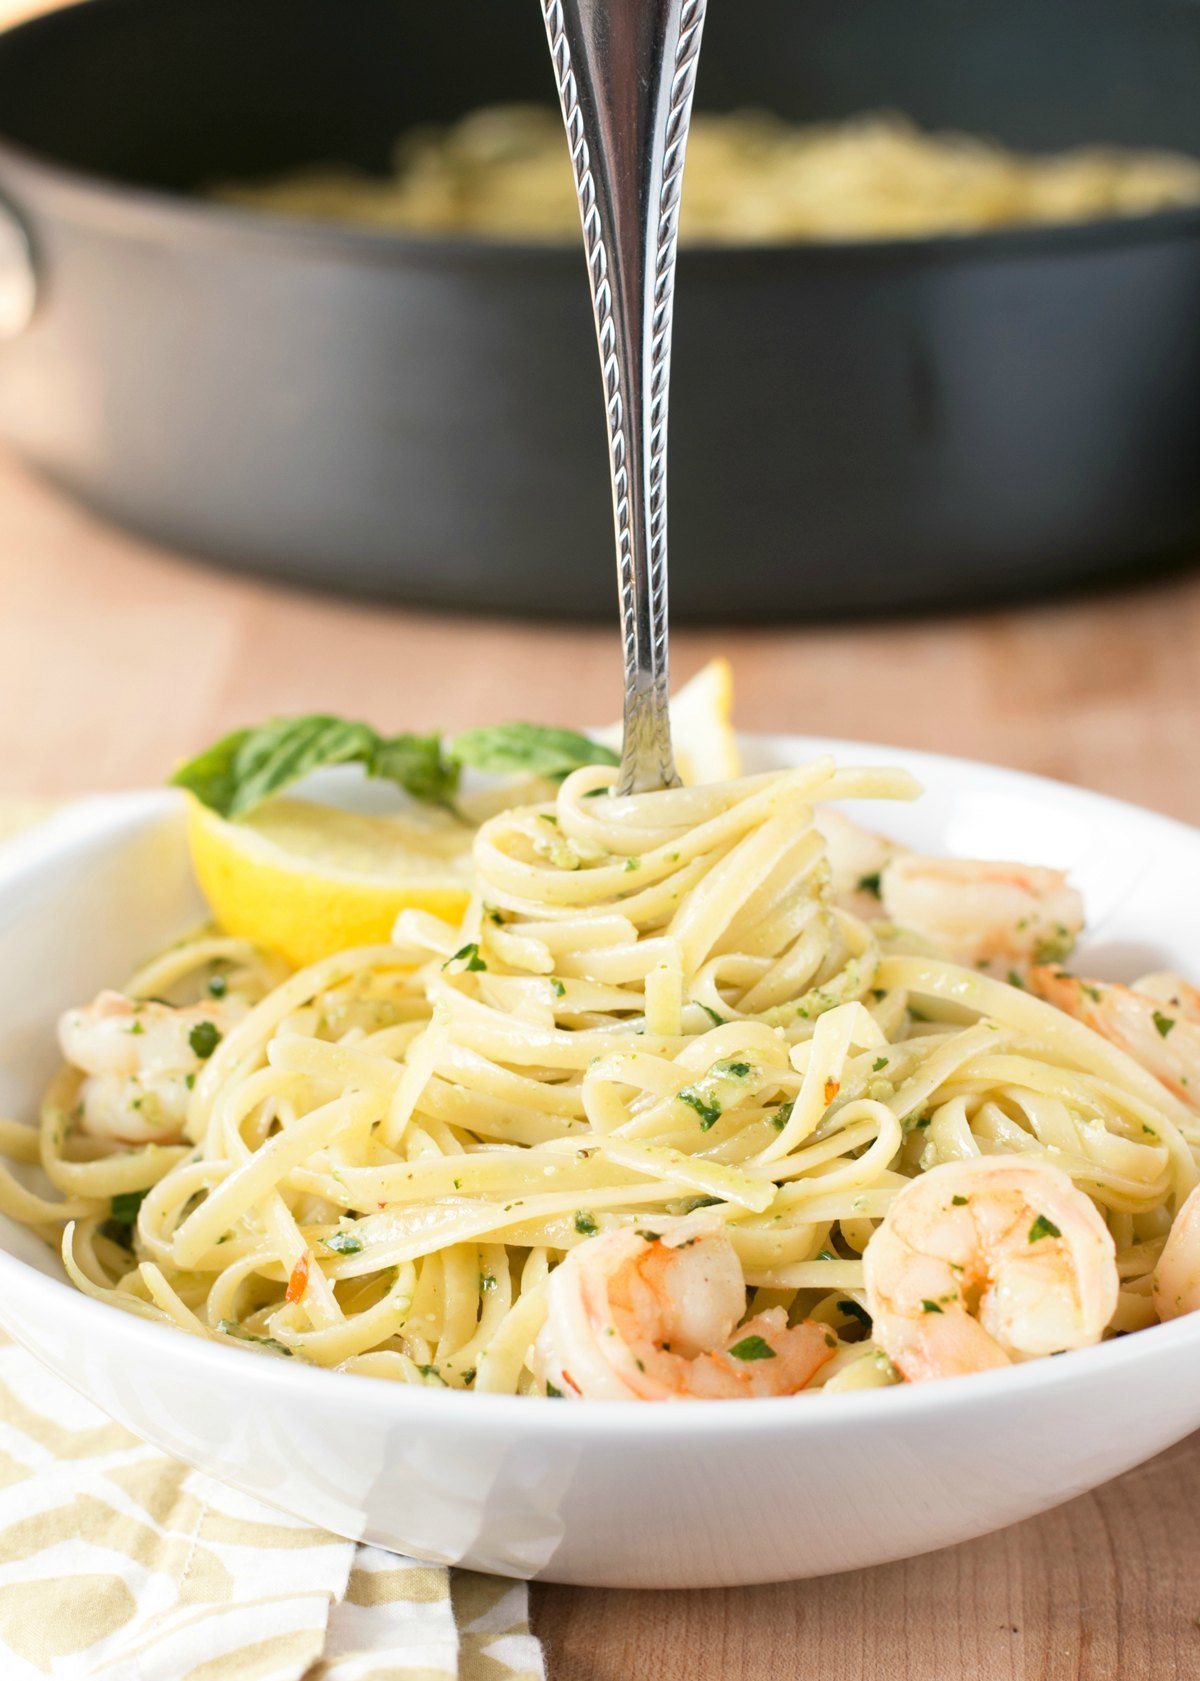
18, 283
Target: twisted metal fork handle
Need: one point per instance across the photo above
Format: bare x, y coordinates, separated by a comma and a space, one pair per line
626, 72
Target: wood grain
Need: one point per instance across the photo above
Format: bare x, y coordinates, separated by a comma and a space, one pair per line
1104, 1589
116, 659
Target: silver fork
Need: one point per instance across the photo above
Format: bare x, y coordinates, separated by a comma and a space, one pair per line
626, 72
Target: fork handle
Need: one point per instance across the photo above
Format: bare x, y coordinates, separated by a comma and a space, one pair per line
626, 72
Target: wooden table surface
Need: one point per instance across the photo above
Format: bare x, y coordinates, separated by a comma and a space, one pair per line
116, 659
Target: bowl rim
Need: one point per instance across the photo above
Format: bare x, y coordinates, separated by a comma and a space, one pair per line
54, 841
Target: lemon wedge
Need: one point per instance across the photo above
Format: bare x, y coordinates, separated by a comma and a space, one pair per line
706, 748
307, 880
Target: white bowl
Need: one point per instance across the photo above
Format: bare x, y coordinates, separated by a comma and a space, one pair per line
713, 1493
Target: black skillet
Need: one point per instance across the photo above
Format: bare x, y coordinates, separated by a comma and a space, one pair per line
854, 428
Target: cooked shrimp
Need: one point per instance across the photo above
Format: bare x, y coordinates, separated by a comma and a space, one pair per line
984, 915
856, 859
140, 1059
1156, 1021
1177, 1275
981, 1263
637, 1316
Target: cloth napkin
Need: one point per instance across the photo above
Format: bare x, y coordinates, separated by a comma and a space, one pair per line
120, 1564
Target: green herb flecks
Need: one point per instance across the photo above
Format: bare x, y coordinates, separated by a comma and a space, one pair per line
709, 1113
1041, 1228
344, 1243
752, 1348
469, 957
930, 1307
204, 1039
1163, 1023
231, 1328
125, 1207
585, 1225
872, 884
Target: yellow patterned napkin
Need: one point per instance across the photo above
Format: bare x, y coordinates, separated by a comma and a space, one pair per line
118, 1563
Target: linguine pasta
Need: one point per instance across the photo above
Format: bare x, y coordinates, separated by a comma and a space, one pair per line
653, 1006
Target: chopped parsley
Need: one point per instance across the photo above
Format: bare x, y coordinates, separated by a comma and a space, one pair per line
871, 884
558, 989
709, 1113
880, 1062
930, 1307
735, 1070
137, 1027
783, 1114
1042, 1227
553, 1391
585, 1224
231, 1328
432, 1371
204, 1039
1014, 979
468, 956
125, 1206
717, 1021
487, 1281
218, 986
752, 1348
632, 864
959, 1202
1163, 1023
693, 1203
344, 1243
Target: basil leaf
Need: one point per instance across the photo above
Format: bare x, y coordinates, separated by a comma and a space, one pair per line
248, 766
212, 775
418, 764
536, 749
245, 768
